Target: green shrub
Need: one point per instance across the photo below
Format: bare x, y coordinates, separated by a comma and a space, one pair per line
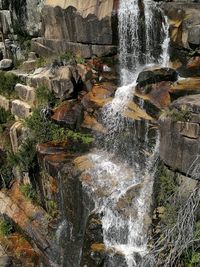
52, 207
6, 227
70, 56
25, 157
6, 174
80, 60
45, 97
7, 84
29, 192
44, 130
177, 115
166, 185
67, 56
5, 116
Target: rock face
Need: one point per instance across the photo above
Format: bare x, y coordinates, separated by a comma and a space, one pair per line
26, 93
184, 34
73, 203
63, 81
21, 16
69, 114
180, 136
32, 221
20, 109
70, 25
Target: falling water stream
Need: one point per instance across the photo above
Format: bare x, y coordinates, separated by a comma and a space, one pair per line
124, 165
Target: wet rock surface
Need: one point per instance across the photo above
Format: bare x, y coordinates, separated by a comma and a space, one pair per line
147, 77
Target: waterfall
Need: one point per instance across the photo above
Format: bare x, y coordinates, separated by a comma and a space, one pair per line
123, 169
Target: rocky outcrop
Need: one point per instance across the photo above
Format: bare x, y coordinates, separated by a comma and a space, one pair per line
26, 93
21, 17
184, 35
70, 26
63, 81
32, 221
70, 114
20, 109
180, 135
73, 203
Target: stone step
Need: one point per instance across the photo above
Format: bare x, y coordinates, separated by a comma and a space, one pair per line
20, 109
26, 93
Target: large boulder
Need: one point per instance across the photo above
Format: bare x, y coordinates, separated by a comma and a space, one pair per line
184, 32
180, 135
26, 93
147, 77
20, 109
6, 64
63, 81
69, 114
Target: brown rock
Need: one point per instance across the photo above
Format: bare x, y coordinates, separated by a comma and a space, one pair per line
194, 62
70, 114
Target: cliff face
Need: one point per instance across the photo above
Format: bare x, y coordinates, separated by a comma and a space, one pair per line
51, 111
184, 34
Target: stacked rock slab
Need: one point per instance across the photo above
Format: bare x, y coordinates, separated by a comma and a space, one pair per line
84, 27
180, 136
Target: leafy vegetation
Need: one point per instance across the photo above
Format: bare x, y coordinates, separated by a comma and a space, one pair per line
45, 97
177, 115
25, 157
52, 207
29, 192
165, 184
5, 120
6, 227
191, 258
70, 56
44, 130
7, 84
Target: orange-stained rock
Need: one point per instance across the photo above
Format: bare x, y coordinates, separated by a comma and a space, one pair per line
186, 86
20, 250
52, 148
91, 123
69, 113
194, 62
98, 96
159, 94
32, 220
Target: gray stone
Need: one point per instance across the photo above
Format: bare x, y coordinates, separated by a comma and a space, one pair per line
180, 140
6, 64
47, 47
32, 56
20, 109
26, 93
104, 50
189, 129
16, 135
194, 35
5, 261
63, 21
29, 65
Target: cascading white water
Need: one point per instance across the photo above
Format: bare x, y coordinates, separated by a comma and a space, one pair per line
120, 187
